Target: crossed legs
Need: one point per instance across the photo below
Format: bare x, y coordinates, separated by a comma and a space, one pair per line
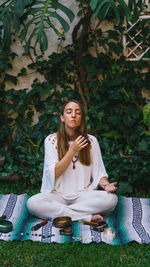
90, 205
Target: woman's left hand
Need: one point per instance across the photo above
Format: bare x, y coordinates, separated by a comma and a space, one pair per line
110, 188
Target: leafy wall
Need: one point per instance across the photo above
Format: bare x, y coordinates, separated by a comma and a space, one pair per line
93, 70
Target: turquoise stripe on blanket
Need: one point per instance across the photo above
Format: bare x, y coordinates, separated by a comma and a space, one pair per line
130, 221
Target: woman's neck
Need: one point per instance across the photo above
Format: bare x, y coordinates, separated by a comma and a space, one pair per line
71, 134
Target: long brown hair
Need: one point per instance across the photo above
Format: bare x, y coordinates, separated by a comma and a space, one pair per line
62, 137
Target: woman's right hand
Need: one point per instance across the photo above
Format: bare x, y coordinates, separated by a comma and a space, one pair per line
79, 144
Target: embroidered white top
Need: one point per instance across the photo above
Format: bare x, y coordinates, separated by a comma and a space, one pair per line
73, 181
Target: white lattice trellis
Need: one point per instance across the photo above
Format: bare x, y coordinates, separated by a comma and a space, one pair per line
135, 42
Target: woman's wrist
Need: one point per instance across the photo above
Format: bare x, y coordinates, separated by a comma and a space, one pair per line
72, 151
104, 186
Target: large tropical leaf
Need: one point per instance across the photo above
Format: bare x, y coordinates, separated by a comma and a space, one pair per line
10, 13
101, 8
37, 15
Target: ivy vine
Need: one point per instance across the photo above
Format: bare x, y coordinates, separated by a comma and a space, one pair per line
108, 86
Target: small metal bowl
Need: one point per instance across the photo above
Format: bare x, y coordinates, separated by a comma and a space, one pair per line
62, 222
5, 226
101, 227
66, 231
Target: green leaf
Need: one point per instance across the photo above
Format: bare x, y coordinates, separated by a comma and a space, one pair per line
64, 24
28, 44
40, 2
100, 115
117, 14
96, 13
93, 4
11, 78
23, 148
41, 16
25, 29
16, 22
124, 187
5, 9
126, 9
33, 181
2, 174
43, 41
7, 108
35, 10
64, 9
28, 2
112, 134
146, 114
19, 7
58, 33
101, 8
105, 10
7, 29
142, 146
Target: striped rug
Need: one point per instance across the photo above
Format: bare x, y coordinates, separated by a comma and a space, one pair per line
130, 221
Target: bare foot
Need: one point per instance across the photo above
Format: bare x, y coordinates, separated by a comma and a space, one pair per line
97, 217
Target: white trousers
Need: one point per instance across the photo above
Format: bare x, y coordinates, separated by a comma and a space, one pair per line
51, 205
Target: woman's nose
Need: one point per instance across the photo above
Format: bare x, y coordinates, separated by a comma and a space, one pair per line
73, 113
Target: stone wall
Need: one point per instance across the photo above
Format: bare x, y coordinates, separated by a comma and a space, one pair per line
22, 61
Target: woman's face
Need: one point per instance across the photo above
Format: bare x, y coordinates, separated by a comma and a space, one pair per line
72, 115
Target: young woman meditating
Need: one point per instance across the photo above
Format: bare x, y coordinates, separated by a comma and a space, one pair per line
73, 170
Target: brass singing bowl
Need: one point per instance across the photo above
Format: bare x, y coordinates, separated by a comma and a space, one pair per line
5, 226
63, 221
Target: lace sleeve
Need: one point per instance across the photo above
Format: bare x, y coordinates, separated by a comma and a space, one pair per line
50, 159
98, 168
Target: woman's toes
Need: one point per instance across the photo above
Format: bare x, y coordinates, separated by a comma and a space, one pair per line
97, 217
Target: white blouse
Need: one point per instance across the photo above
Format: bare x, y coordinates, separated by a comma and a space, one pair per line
73, 181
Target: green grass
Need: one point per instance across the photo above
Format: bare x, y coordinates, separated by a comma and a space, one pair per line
28, 253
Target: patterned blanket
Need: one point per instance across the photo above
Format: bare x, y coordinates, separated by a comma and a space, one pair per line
130, 221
